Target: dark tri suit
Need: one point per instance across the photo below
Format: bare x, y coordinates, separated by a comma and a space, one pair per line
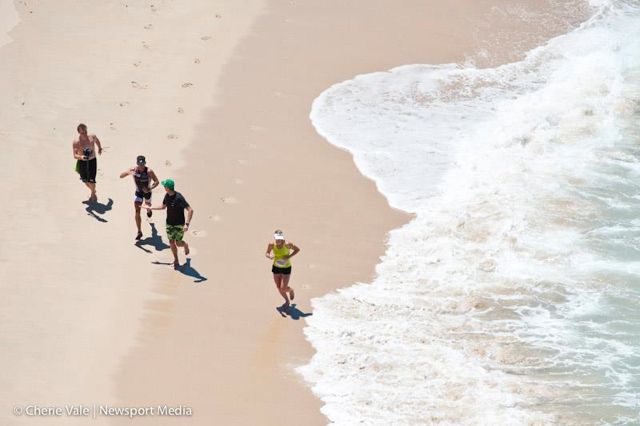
142, 185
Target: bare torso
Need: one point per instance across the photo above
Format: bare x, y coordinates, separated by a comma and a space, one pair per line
83, 142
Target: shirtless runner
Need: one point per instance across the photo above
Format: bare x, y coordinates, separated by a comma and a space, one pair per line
84, 151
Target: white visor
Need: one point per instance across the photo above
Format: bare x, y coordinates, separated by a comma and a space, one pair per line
278, 236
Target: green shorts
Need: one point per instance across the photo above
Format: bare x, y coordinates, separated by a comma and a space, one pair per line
175, 232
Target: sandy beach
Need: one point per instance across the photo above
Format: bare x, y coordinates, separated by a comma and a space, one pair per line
217, 96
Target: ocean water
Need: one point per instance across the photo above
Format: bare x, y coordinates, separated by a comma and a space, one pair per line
513, 296
8, 20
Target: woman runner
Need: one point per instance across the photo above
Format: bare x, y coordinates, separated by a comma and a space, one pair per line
281, 252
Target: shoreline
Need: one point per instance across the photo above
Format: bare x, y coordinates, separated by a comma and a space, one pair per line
262, 110
222, 108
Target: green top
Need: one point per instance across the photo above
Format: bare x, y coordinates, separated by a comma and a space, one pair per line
279, 254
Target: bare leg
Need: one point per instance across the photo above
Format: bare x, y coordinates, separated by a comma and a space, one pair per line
184, 245
285, 286
149, 212
174, 250
92, 187
277, 278
138, 220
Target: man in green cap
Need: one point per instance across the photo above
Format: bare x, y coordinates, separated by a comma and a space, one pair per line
175, 204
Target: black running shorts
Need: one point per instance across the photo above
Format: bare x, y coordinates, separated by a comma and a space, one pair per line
141, 195
284, 271
88, 170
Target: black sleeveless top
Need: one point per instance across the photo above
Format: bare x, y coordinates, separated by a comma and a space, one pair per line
142, 178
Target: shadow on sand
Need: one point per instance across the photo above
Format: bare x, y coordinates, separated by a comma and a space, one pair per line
186, 269
155, 241
293, 312
94, 207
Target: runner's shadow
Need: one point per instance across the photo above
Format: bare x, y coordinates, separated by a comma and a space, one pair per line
185, 269
292, 311
94, 207
189, 270
155, 240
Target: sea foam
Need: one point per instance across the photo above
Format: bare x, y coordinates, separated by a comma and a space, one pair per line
512, 296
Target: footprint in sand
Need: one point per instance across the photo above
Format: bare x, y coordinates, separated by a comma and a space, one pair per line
205, 38
187, 84
215, 218
112, 126
153, 8
199, 233
137, 64
488, 265
228, 200
305, 286
137, 85
124, 104
172, 136
167, 163
218, 16
196, 61
145, 45
180, 110
148, 26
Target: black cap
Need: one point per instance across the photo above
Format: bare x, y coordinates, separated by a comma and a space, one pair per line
141, 160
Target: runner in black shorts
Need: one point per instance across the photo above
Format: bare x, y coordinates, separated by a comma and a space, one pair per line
84, 151
281, 252
142, 176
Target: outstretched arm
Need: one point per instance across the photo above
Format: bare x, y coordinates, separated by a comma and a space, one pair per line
126, 173
162, 207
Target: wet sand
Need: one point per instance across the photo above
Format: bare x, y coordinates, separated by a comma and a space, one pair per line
216, 96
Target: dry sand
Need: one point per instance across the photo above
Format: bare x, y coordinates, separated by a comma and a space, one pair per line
87, 316
73, 284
